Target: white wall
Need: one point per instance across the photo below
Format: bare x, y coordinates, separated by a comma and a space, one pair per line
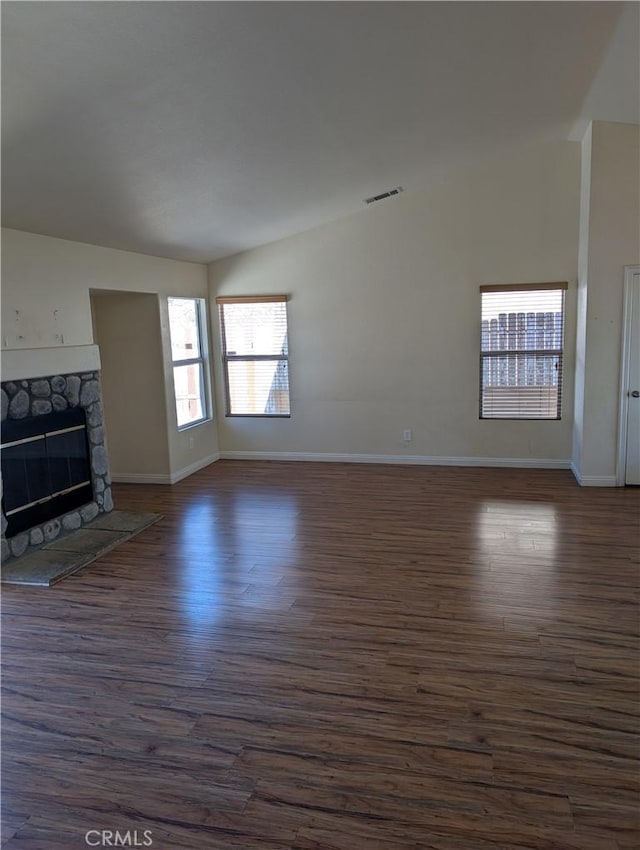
610, 242
47, 281
127, 330
46, 285
384, 314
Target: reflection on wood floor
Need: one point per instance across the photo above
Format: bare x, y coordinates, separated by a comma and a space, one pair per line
334, 657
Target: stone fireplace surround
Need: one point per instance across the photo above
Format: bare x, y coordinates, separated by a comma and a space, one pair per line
36, 397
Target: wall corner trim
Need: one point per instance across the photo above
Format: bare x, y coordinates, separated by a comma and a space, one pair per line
163, 478
594, 480
193, 467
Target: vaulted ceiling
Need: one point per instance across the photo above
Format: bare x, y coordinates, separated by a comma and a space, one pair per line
197, 129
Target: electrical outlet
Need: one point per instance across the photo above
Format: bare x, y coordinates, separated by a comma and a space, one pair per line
407, 436
190, 442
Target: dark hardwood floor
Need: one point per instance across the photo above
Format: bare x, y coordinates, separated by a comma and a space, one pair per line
334, 657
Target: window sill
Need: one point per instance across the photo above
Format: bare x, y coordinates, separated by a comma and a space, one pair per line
520, 418
191, 425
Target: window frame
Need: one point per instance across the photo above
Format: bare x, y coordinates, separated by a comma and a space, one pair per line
560, 286
230, 358
201, 361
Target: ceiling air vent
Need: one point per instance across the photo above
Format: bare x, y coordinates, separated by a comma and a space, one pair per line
383, 195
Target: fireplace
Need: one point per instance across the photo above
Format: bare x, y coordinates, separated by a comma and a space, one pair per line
45, 468
55, 468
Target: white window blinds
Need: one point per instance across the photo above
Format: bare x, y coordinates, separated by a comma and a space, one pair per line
255, 354
521, 351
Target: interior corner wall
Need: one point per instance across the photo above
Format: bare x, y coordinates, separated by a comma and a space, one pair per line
613, 242
127, 328
46, 311
384, 315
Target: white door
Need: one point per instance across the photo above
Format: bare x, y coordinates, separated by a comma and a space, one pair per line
632, 466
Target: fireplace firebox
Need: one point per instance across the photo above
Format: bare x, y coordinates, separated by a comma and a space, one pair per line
46, 468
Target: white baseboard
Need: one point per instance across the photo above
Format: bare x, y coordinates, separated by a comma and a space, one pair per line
163, 478
595, 480
193, 467
598, 481
140, 478
400, 460
403, 460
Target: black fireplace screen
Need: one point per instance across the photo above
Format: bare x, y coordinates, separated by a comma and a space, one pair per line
45, 468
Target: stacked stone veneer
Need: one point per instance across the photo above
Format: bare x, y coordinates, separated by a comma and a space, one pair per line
36, 397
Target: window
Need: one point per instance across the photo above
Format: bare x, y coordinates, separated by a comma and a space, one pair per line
255, 355
521, 351
188, 347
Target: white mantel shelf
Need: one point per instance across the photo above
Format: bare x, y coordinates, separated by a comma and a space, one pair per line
17, 364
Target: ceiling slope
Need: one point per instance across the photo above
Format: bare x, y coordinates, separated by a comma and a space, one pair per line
195, 130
